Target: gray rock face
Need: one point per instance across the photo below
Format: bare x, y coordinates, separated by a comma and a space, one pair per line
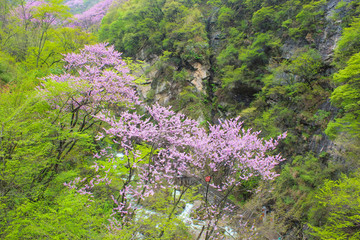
326, 42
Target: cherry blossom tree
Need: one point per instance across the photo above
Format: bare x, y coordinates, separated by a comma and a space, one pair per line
147, 148
99, 77
94, 80
178, 147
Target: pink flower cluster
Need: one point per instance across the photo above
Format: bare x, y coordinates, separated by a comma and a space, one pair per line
98, 77
26, 12
92, 16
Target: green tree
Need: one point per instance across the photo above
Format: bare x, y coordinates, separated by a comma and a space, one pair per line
340, 200
44, 18
225, 17
306, 65
347, 96
64, 215
263, 19
349, 43
345, 128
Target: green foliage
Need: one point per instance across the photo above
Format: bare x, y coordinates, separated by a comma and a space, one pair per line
340, 202
341, 4
62, 214
134, 26
281, 75
322, 117
246, 64
294, 188
143, 24
345, 128
306, 65
232, 75
70, 216
347, 97
191, 103
267, 120
216, 3
32, 156
308, 19
228, 56
348, 43
253, 6
150, 95
347, 12
8, 70
263, 45
19, 131
263, 19
180, 76
225, 16
287, 23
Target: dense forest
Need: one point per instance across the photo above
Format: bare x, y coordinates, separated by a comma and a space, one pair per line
179, 119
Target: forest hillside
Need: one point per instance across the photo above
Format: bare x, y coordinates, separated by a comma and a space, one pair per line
179, 119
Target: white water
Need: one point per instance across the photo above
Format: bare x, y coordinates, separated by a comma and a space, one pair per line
230, 232
186, 213
144, 213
